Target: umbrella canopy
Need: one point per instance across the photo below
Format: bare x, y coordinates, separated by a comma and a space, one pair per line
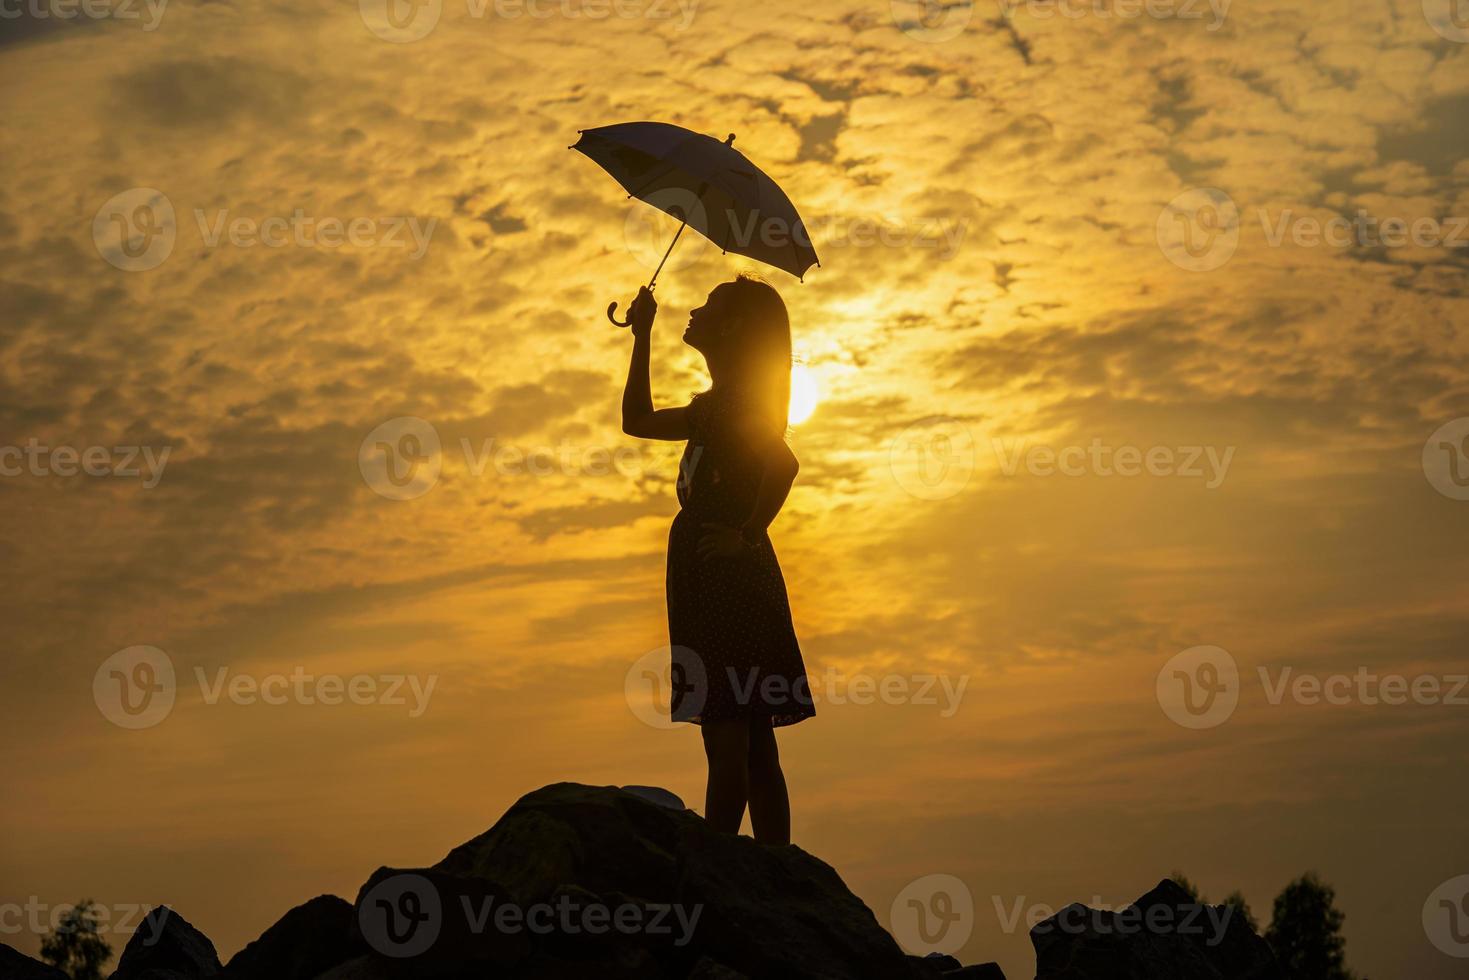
706, 184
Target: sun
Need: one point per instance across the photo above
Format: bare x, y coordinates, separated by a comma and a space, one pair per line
804, 394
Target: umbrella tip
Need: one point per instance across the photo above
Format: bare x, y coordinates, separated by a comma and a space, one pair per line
729, 140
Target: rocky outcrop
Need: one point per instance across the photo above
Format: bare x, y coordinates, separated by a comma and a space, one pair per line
1165, 935
306, 942
15, 965
577, 878
167, 947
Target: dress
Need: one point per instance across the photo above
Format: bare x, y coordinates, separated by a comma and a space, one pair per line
729, 620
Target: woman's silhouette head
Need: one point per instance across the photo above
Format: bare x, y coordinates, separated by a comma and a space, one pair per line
744, 333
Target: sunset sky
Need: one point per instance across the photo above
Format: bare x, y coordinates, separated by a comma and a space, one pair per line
1080, 235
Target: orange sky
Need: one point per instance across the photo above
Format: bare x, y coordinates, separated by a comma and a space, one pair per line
1018, 254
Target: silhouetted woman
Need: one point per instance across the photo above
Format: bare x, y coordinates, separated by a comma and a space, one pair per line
737, 669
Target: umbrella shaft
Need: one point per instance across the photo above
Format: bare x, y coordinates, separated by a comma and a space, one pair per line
654, 280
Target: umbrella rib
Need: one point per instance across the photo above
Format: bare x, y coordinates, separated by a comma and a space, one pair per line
661, 173
667, 167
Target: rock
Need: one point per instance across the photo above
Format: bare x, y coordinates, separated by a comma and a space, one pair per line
15, 965
167, 947
778, 911
606, 883
941, 966
599, 838
306, 941
934, 964
707, 969
1164, 935
361, 968
658, 795
428, 922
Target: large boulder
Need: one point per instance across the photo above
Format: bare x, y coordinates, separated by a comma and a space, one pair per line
424, 922
15, 965
167, 947
1165, 935
577, 878
305, 942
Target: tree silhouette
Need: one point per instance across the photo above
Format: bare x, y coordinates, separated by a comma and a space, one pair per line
74, 947
1236, 900
1179, 879
1305, 931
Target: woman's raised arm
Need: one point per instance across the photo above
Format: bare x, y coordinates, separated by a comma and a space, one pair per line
639, 417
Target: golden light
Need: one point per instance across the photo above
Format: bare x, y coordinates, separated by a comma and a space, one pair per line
804, 394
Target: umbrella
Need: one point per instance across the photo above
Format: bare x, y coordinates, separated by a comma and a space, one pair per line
708, 186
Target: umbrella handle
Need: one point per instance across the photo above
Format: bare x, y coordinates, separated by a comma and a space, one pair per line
612, 310
611, 307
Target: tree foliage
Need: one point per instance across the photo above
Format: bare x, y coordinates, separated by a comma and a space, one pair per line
1305, 931
74, 946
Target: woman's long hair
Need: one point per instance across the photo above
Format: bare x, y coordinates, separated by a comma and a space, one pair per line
761, 363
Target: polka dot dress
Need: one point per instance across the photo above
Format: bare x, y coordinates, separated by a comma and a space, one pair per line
729, 620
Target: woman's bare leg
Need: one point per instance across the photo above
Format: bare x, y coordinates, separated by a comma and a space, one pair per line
727, 747
770, 804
